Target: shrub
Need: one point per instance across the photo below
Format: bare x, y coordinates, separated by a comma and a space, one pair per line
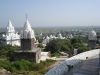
24, 66
83, 49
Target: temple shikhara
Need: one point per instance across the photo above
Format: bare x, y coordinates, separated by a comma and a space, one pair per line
28, 51
11, 36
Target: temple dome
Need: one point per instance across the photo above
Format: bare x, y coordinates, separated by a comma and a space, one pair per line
92, 35
51, 36
46, 40
59, 35
27, 26
27, 32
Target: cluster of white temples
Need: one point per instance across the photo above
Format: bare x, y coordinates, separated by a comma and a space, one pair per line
13, 38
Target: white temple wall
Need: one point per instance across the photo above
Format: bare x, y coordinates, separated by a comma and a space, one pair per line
62, 68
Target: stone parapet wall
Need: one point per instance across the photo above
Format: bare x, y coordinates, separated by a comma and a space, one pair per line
82, 56
63, 67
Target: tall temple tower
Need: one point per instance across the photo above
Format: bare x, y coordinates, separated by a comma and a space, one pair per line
10, 29
11, 37
27, 37
28, 51
92, 39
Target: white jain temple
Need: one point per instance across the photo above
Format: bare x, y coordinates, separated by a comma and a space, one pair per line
11, 37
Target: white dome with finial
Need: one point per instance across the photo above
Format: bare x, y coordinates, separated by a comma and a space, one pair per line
27, 31
92, 35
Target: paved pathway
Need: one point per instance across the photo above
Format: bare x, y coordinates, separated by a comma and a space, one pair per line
87, 67
58, 61
53, 65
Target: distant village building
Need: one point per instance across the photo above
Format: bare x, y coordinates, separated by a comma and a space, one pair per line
11, 37
28, 52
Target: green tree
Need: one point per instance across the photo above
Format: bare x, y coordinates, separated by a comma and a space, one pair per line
57, 45
10, 55
83, 49
7, 50
75, 40
39, 39
40, 45
77, 45
65, 48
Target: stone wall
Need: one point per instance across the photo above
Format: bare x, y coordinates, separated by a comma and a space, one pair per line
63, 67
30, 56
92, 43
27, 44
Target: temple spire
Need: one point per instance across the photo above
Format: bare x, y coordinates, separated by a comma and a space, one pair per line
9, 24
92, 27
26, 17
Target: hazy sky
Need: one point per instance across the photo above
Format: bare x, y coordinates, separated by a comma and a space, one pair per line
50, 12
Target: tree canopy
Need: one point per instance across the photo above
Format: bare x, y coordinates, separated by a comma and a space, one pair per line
7, 50
83, 49
65, 45
57, 45
75, 40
